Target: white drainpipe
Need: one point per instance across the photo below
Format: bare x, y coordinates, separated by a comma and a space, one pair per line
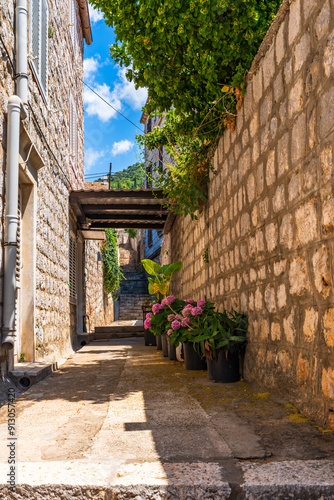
16, 111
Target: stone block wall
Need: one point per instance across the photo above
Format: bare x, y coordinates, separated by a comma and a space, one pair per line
99, 307
48, 125
268, 225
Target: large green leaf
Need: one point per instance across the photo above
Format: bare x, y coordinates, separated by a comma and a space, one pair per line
152, 267
172, 268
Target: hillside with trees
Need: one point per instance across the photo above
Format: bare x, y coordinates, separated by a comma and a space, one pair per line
129, 178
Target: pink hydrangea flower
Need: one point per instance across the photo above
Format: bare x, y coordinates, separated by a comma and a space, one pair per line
201, 303
176, 325
147, 324
164, 302
156, 308
170, 299
191, 301
149, 315
171, 317
185, 322
196, 311
186, 311
169, 332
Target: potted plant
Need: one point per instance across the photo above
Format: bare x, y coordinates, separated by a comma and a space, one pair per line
221, 338
159, 285
182, 330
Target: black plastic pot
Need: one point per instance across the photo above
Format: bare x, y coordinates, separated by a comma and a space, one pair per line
159, 343
171, 351
150, 339
192, 360
164, 346
225, 368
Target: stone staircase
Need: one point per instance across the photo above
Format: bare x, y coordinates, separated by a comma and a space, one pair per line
133, 293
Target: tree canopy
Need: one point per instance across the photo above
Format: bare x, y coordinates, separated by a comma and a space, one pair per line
186, 51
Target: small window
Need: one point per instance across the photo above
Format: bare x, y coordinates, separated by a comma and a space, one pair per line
39, 21
72, 267
73, 134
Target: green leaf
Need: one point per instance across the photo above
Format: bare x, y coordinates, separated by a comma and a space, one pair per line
172, 269
152, 267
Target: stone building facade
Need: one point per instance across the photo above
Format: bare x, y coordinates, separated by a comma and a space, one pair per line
268, 226
52, 254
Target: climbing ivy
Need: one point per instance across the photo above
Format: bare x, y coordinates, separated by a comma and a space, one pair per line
112, 273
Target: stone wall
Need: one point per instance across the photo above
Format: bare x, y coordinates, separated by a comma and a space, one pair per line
268, 225
99, 307
48, 125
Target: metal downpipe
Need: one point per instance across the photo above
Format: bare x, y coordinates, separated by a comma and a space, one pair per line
16, 111
11, 221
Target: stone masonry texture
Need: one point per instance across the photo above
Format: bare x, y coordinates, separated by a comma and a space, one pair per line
48, 125
268, 224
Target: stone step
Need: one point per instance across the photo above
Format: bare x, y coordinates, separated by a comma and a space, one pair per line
81, 479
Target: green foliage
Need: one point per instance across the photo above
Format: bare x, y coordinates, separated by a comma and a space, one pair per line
187, 162
192, 56
220, 331
160, 284
131, 232
185, 51
112, 273
130, 178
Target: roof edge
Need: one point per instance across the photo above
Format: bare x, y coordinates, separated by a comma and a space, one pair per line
85, 21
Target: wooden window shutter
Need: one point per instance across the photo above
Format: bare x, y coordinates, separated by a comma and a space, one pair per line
72, 270
35, 38
39, 40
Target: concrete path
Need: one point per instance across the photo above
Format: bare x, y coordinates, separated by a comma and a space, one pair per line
120, 421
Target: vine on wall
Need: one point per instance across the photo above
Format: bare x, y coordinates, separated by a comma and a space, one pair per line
112, 274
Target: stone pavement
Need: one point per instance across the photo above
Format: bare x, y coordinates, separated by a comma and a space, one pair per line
119, 421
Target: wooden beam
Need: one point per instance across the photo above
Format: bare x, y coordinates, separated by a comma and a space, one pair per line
93, 196
127, 225
130, 217
101, 207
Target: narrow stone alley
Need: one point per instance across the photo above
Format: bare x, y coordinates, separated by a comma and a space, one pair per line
118, 420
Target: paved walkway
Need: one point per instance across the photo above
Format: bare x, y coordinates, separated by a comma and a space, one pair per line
120, 421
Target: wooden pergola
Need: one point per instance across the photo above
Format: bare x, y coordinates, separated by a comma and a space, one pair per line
96, 210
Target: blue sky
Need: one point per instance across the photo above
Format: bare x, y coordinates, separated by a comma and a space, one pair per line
108, 136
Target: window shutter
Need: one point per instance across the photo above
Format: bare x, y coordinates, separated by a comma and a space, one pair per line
44, 45
72, 270
39, 41
35, 40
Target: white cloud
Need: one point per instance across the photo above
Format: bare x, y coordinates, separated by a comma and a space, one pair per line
121, 147
90, 66
124, 92
96, 106
127, 91
94, 14
92, 156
